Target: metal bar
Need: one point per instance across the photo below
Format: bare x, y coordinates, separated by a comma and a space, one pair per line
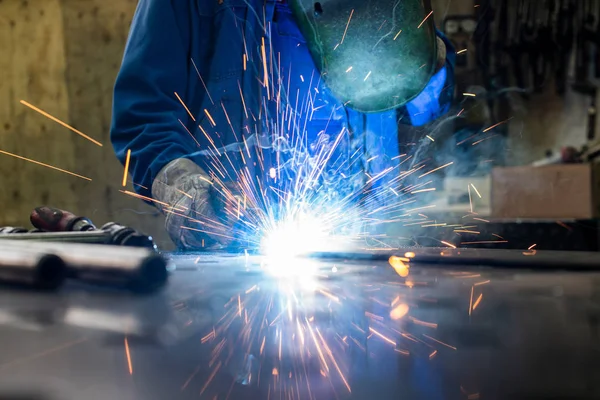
92, 237
38, 268
138, 269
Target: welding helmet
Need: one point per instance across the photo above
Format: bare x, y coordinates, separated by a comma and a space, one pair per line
374, 55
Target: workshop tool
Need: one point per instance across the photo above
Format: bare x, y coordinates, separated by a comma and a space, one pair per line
52, 219
55, 225
137, 269
31, 266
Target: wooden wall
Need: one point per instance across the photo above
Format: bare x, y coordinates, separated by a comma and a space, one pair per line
62, 56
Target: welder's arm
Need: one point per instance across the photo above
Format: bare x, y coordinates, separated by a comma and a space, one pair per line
435, 100
148, 118
145, 110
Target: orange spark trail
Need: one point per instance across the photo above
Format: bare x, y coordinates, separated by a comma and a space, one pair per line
477, 301
211, 232
481, 283
495, 125
45, 165
436, 169
184, 106
440, 342
265, 70
448, 244
126, 169
471, 302
347, 24
58, 121
212, 121
202, 80
398, 34
425, 19
42, 354
139, 196
532, 246
210, 378
188, 131
128, 356
390, 341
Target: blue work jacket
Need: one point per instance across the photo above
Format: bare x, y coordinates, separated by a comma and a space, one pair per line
193, 84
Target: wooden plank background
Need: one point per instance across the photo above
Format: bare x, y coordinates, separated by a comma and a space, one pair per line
62, 56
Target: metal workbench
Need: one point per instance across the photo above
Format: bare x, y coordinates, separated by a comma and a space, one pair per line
225, 327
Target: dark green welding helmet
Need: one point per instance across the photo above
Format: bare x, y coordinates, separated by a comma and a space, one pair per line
374, 55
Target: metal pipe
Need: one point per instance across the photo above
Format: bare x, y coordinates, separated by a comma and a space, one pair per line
91, 237
37, 268
138, 269
110, 233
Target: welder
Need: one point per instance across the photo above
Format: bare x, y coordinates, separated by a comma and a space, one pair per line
208, 89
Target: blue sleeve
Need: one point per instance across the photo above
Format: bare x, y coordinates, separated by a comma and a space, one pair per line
435, 100
146, 113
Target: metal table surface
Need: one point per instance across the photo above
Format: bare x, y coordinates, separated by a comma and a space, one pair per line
226, 327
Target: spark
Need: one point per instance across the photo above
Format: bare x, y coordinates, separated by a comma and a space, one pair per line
329, 295
471, 301
387, 339
45, 165
42, 354
212, 121
187, 382
349, 69
423, 323
481, 219
461, 51
483, 140
477, 301
469, 94
399, 311
495, 125
425, 19
190, 133
423, 190
470, 199
347, 24
265, 70
210, 378
128, 355
481, 283
399, 266
448, 244
439, 341
367, 77
532, 246
436, 169
460, 112
432, 354
58, 121
398, 34
126, 169
184, 106
486, 242
476, 191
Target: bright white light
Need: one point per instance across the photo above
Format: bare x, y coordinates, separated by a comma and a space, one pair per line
293, 237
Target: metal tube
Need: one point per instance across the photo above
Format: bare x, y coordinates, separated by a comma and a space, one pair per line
91, 237
38, 268
138, 269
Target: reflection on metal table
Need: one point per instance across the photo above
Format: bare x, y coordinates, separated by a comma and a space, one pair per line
241, 327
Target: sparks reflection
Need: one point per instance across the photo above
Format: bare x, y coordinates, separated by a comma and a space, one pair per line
317, 329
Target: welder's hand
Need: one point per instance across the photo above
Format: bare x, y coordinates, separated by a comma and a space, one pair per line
185, 193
